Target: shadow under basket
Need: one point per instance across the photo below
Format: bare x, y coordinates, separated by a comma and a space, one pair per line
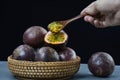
28, 70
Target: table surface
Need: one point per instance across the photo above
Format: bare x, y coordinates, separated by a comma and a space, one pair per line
82, 74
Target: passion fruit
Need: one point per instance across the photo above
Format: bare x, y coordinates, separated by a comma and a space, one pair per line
24, 52
101, 64
46, 54
55, 27
67, 54
56, 40
34, 36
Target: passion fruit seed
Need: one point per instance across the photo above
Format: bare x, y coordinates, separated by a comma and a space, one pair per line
55, 27
56, 38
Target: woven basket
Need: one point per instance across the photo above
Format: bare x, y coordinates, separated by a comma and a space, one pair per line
28, 70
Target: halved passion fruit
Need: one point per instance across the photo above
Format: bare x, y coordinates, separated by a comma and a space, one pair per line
56, 40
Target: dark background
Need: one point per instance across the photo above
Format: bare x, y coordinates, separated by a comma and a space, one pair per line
17, 15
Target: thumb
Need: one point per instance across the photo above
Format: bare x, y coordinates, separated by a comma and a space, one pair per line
90, 10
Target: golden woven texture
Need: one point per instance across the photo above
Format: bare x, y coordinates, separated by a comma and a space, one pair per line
28, 70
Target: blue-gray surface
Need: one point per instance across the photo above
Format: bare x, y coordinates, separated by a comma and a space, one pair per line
82, 74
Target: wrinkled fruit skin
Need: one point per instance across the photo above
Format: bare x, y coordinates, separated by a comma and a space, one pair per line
34, 36
46, 54
57, 47
24, 52
101, 64
67, 54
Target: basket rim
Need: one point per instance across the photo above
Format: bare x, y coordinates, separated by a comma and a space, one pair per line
34, 63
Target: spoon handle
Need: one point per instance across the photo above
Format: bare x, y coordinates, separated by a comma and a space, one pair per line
74, 18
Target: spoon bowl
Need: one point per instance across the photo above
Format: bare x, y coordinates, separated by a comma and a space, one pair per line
57, 26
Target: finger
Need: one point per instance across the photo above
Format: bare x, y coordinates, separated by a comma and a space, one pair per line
83, 13
90, 10
97, 24
104, 24
86, 18
100, 24
89, 19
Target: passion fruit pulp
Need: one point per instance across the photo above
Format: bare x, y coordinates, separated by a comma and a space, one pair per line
56, 40
55, 27
101, 64
34, 36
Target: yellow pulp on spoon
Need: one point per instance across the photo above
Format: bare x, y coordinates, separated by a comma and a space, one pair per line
55, 27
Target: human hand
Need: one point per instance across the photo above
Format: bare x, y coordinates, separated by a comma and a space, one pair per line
103, 13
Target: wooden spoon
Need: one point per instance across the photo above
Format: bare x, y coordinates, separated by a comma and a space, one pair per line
59, 25
65, 22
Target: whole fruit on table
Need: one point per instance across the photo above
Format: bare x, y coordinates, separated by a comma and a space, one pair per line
101, 64
67, 54
34, 36
46, 54
23, 52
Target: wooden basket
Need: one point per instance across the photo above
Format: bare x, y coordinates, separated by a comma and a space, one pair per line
28, 70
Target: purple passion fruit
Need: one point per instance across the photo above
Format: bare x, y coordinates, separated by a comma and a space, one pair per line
46, 54
101, 64
56, 40
34, 36
24, 52
55, 27
67, 54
